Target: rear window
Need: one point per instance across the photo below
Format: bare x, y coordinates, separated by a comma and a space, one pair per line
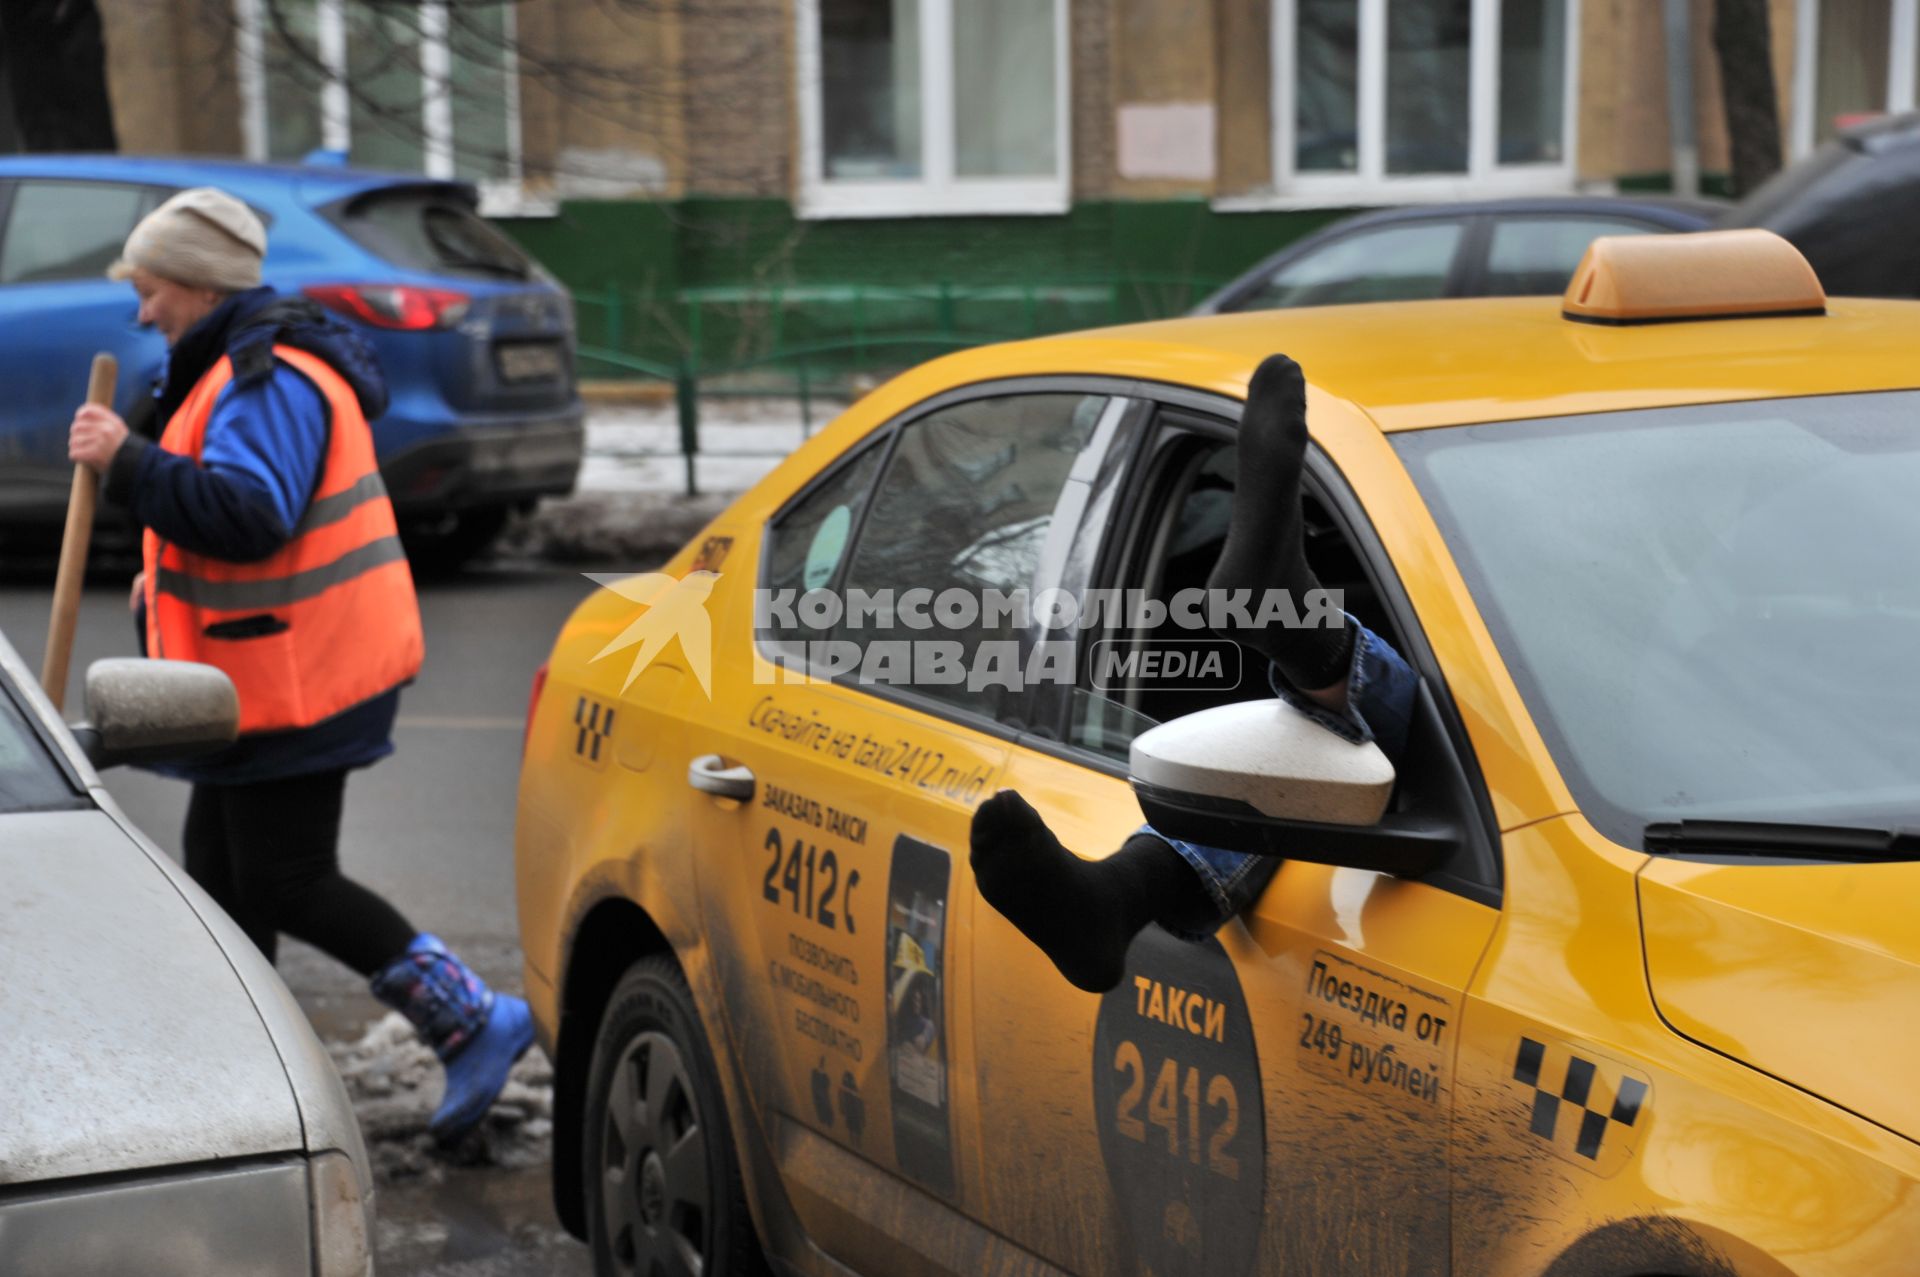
427, 230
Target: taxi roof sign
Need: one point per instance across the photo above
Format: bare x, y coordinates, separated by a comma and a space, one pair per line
1652, 279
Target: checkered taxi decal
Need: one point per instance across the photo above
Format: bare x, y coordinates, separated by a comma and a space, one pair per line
1589, 1111
593, 730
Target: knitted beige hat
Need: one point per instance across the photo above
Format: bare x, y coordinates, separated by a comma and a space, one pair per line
203, 238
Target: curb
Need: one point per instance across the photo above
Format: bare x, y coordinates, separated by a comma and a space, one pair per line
652, 394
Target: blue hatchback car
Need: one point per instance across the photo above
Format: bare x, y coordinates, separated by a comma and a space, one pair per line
476, 339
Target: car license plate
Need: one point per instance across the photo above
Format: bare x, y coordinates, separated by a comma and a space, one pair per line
529, 361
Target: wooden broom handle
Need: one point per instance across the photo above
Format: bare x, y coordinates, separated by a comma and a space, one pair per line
73, 550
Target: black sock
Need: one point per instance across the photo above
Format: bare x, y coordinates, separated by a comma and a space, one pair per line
1266, 542
1082, 913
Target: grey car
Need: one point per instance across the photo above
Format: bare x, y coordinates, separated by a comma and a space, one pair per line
164, 1106
1476, 248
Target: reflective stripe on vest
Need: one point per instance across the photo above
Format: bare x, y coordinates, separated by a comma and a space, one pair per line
324, 510
237, 596
326, 622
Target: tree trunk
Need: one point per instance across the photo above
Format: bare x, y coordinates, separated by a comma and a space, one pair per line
56, 75
1743, 43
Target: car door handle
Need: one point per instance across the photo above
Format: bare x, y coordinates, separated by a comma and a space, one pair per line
710, 775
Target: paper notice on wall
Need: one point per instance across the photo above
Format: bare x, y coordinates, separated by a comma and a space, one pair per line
1167, 140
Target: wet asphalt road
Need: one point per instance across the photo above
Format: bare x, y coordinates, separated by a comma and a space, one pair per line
432, 829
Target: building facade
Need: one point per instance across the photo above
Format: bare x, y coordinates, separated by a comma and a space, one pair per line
654, 150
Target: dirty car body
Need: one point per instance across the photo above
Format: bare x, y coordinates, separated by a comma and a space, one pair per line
1642, 1017
168, 1109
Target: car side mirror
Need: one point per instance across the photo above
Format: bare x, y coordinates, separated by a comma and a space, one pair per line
150, 711
1263, 778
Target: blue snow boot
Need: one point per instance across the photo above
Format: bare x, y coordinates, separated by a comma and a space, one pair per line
477, 1033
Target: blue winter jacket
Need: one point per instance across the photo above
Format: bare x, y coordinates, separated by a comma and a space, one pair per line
261, 461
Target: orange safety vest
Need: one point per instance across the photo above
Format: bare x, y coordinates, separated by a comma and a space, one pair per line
325, 623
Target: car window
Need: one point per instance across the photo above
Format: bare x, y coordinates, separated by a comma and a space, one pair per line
68, 230
965, 505
1131, 677
1537, 255
429, 230
807, 545
1393, 263
30, 780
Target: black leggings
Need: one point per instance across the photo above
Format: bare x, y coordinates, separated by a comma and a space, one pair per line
269, 854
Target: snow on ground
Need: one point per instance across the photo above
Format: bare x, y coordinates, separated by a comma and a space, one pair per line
635, 448
667, 476
395, 1084
631, 507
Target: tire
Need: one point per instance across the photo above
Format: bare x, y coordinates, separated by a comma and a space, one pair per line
443, 547
660, 1175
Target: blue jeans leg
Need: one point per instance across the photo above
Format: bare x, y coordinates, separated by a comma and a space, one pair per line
1381, 688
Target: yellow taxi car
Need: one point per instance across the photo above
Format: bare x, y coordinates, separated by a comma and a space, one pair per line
1647, 1009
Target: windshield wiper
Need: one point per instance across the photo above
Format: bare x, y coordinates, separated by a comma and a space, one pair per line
1782, 839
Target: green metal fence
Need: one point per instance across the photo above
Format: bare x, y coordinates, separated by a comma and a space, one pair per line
792, 376
816, 340
736, 324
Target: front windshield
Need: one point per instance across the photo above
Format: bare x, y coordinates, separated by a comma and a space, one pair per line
29, 778
1713, 612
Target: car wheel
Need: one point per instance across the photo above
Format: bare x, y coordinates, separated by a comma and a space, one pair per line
445, 546
662, 1183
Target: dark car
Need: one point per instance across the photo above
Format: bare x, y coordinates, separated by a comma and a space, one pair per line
1851, 207
1478, 249
476, 339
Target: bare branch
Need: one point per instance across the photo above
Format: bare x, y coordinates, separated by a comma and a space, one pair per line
617, 85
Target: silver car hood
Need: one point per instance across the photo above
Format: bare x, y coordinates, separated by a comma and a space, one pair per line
127, 1037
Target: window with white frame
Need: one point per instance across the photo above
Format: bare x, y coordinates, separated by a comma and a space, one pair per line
1384, 100
932, 106
426, 87
1852, 58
